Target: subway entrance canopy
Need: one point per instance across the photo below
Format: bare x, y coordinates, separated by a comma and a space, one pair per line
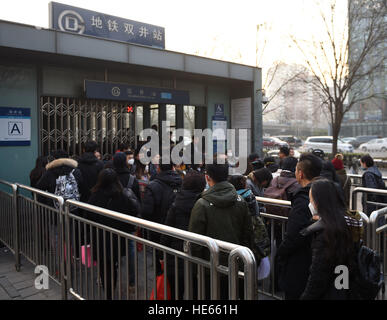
79, 87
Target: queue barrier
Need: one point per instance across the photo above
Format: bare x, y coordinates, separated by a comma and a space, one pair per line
55, 233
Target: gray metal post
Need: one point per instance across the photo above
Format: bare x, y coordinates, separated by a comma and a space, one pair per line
257, 128
16, 227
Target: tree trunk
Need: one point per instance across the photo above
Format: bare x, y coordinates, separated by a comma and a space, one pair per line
336, 126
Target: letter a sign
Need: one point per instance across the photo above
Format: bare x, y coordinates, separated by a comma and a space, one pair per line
15, 126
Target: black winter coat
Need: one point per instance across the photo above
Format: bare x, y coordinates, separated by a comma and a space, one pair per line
159, 195
55, 169
320, 285
178, 217
294, 254
123, 175
90, 167
118, 202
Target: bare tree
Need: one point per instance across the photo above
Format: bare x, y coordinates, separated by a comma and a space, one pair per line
353, 53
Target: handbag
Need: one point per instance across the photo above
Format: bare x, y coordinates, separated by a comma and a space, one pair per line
86, 254
160, 286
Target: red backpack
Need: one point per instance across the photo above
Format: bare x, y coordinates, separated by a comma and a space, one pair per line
275, 191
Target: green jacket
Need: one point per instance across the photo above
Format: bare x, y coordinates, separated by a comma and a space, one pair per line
221, 214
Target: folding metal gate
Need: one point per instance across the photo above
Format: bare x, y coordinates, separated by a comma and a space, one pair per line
67, 123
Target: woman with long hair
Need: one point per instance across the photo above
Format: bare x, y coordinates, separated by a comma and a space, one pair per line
334, 242
37, 172
108, 193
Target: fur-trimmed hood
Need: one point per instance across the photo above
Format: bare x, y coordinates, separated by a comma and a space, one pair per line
62, 162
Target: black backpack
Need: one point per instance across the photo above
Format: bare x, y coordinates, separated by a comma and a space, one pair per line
131, 195
369, 278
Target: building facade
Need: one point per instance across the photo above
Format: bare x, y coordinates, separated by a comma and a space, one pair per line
45, 71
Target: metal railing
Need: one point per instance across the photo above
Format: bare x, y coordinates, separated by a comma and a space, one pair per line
366, 192
79, 276
8, 222
356, 179
378, 224
54, 233
40, 223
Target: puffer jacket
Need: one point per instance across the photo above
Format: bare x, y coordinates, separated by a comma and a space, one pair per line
55, 169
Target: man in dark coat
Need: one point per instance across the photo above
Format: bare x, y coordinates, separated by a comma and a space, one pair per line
159, 196
294, 254
221, 214
178, 217
90, 167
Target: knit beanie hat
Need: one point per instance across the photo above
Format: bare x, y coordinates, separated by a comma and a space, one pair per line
338, 163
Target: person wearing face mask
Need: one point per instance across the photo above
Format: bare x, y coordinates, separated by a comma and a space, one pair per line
336, 234
121, 166
294, 254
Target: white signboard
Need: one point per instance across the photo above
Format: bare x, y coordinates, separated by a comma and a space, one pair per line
15, 127
241, 113
219, 128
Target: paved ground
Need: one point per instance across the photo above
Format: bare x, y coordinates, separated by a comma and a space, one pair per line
20, 285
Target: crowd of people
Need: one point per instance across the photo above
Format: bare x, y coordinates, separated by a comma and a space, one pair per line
321, 231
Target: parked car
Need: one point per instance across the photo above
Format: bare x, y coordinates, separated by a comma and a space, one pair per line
374, 145
349, 140
291, 140
275, 154
325, 143
273, 142
363, 139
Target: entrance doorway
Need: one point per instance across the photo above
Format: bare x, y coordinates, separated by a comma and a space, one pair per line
67, 123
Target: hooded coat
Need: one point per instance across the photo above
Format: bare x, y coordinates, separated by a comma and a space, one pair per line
372, 178
159, 195
221, 214
90, 167
55, 169
119, 164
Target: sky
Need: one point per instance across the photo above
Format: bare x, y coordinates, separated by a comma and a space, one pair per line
219, 29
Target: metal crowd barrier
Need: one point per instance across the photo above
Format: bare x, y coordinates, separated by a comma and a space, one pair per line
379, 240
366, 192
40, 223
58, 237
82, 278
7, 217
356, 179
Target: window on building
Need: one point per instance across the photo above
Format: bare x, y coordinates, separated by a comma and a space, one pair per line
189, 119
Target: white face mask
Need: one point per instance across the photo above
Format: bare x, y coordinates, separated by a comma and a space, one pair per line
312, 209
131, 162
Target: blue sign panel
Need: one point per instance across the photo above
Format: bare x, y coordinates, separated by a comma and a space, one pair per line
81, 21
219, 110
130, 93
15, 126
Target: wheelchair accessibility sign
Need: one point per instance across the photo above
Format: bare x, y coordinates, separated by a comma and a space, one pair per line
15, 126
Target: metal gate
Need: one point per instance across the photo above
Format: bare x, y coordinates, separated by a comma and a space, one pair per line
67, 123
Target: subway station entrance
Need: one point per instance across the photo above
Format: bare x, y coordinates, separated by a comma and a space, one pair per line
67, 123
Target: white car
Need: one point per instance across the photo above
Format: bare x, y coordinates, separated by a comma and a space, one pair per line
374, 145
325, 143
